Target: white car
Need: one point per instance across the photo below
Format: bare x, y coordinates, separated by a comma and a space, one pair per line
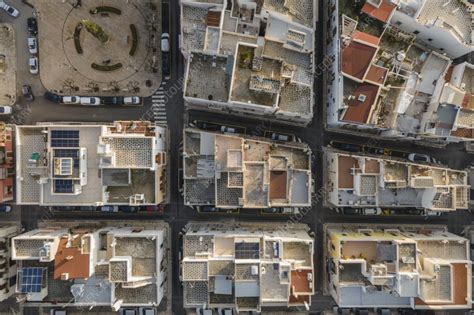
32, 45
165, 42
9, 9
5, 110
71, 100
33, 64
131, 100
90, 101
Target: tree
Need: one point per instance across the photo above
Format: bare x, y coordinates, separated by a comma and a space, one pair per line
96, 31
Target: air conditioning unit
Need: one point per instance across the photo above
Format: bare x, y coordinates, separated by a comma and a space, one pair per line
362, 98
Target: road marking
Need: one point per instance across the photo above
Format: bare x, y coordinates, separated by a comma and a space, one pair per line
159, 105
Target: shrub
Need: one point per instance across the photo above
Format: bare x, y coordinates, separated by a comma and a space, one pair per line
106, 67
134, 47
77, 38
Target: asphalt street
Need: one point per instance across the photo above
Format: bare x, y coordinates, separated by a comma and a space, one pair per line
176, 214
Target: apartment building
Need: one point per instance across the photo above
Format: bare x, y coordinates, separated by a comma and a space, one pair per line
392, 78
92, 264
250, 57
7, 168
123, 163
360, 181
247, 266
398, 267
231, 171
7, 266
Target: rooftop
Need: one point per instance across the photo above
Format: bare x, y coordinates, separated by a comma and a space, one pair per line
369, 181
232, 171
254, 55
89, 164
246, 266
425, 267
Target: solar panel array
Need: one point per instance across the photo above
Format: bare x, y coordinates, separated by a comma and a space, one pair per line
64, 138
245, 250
31, 280
63, 186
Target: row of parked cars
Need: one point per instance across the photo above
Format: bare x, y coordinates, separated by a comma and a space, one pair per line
93, 100
112, 208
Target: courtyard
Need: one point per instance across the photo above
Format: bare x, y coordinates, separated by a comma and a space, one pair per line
101, 48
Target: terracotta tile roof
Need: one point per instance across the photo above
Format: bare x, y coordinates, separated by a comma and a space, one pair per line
70, 261
367, 38
463, 133
278, 181
376, 74
213, 18
345, 164
372, 167
382, 13
356, 59
359, 111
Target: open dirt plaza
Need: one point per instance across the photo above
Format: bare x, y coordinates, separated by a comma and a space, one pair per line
129, 59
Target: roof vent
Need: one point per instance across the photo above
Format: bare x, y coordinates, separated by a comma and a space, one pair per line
362, 98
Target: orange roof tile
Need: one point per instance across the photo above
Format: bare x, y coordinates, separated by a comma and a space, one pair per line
70, 261
367, 38
356, 59
376, 74
345, 165
359, 111
382, 13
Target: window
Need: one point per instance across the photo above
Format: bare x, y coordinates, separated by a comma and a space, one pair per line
430, 39
416, 32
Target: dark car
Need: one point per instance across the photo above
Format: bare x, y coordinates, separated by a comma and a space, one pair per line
346, 146
5, 208
27, 92
112, 100
208, 209
351, 211
166, 65
55, 98
129, 209
32, 25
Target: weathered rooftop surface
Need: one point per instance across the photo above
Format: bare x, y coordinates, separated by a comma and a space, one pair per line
90, 264
397, 69
419, 268
368, 181
253, 57
247, 266
233, 171
120, 163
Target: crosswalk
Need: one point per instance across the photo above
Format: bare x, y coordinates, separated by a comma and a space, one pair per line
159, 106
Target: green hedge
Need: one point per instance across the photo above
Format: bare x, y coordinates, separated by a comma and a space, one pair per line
106, 67
77, 38
105, 9
134, 47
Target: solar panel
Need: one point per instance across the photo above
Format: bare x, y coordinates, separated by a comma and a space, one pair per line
245, 250
64, 138
63, 186
31, 280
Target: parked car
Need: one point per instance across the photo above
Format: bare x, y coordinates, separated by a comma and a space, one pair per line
155, 208
33, 64
27, 92
147, 311
5, 110
57, 311
165, 42
55, 98
129, 209
32, 45
281, 137
346, 146
71, 100
112, 100
352, 211
165, 68
9, 9
5, 208
32, 25
109, 208
208, 209
416, 157
89, 101
131, 100
128, 311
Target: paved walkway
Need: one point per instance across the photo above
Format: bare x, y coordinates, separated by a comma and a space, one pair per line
7, 64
